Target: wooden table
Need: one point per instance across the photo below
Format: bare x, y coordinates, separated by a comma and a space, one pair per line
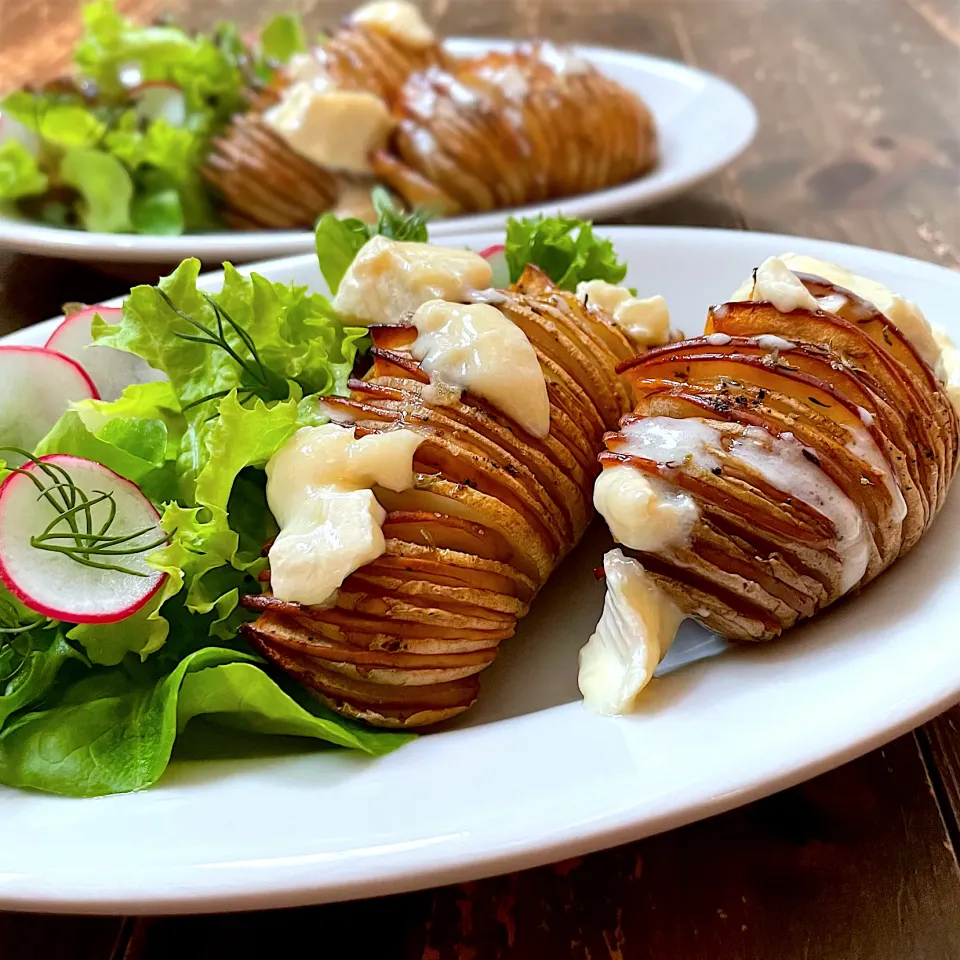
860, 107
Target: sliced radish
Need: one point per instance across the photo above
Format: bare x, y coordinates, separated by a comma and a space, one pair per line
112, 371
56, 584
156, 100
36, 386
497, 258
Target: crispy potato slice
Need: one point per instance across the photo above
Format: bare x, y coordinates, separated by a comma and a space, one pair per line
906, 393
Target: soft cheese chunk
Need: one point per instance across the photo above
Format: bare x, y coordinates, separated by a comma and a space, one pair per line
643, 512
336, 129
399, 20
319, 489
638, 624
775, 283
645, 321
475, 347
389, 278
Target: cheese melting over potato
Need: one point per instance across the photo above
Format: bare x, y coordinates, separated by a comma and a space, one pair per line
645, 321
320, 490
399, 20
475, 347
389, 278
638, 624
904, 314
334, 128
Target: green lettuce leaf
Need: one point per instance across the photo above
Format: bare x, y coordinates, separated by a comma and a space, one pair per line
31, 655
105, 188
20, 175
113, 730
156, 208
165, 161
337, 243
203, 536
277, 334
211, 79
136, 448
282, 37
62, 119
564, 248
139, 401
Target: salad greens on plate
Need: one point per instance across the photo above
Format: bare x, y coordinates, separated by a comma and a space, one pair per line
118, 147
92, 705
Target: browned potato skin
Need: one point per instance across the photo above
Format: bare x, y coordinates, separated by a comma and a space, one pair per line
493, 512
260, 181
758, 562
463, 145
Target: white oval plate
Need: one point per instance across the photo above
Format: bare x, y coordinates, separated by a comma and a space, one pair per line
530, 775
703, 121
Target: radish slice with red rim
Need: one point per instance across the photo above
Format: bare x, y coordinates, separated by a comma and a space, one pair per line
496, 257
112, 371
74, 541
36, 386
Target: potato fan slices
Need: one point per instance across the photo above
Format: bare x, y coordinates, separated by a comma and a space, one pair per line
471, 134
851, 394
261, 182
492, 512
508, 129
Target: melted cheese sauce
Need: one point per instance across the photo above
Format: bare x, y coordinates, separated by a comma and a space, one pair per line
562, 60
905, 314
646, 322
776, 284
336, 129
862, 445
399, 20
389, 278
475, 347
638, 624
319, 489
950, 363
643, 512
780, 461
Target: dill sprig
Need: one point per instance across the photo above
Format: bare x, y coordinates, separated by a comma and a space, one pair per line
263, 382
73, 531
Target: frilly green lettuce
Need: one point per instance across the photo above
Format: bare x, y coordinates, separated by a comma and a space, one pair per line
564, 248
20, 175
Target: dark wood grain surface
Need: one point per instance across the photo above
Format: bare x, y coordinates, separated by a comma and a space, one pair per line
859, 142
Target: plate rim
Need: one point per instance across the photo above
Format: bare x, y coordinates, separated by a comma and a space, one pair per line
25, 236
448, 865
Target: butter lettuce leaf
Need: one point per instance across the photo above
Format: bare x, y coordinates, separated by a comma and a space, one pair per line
112, 731
282, 36
209, 76
105, 189
20, 174
32, 652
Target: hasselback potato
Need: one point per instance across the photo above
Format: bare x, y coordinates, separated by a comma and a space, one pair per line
261, 180
787, 456
492, 511
513, 128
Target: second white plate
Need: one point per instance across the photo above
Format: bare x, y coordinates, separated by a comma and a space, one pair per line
703, 124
